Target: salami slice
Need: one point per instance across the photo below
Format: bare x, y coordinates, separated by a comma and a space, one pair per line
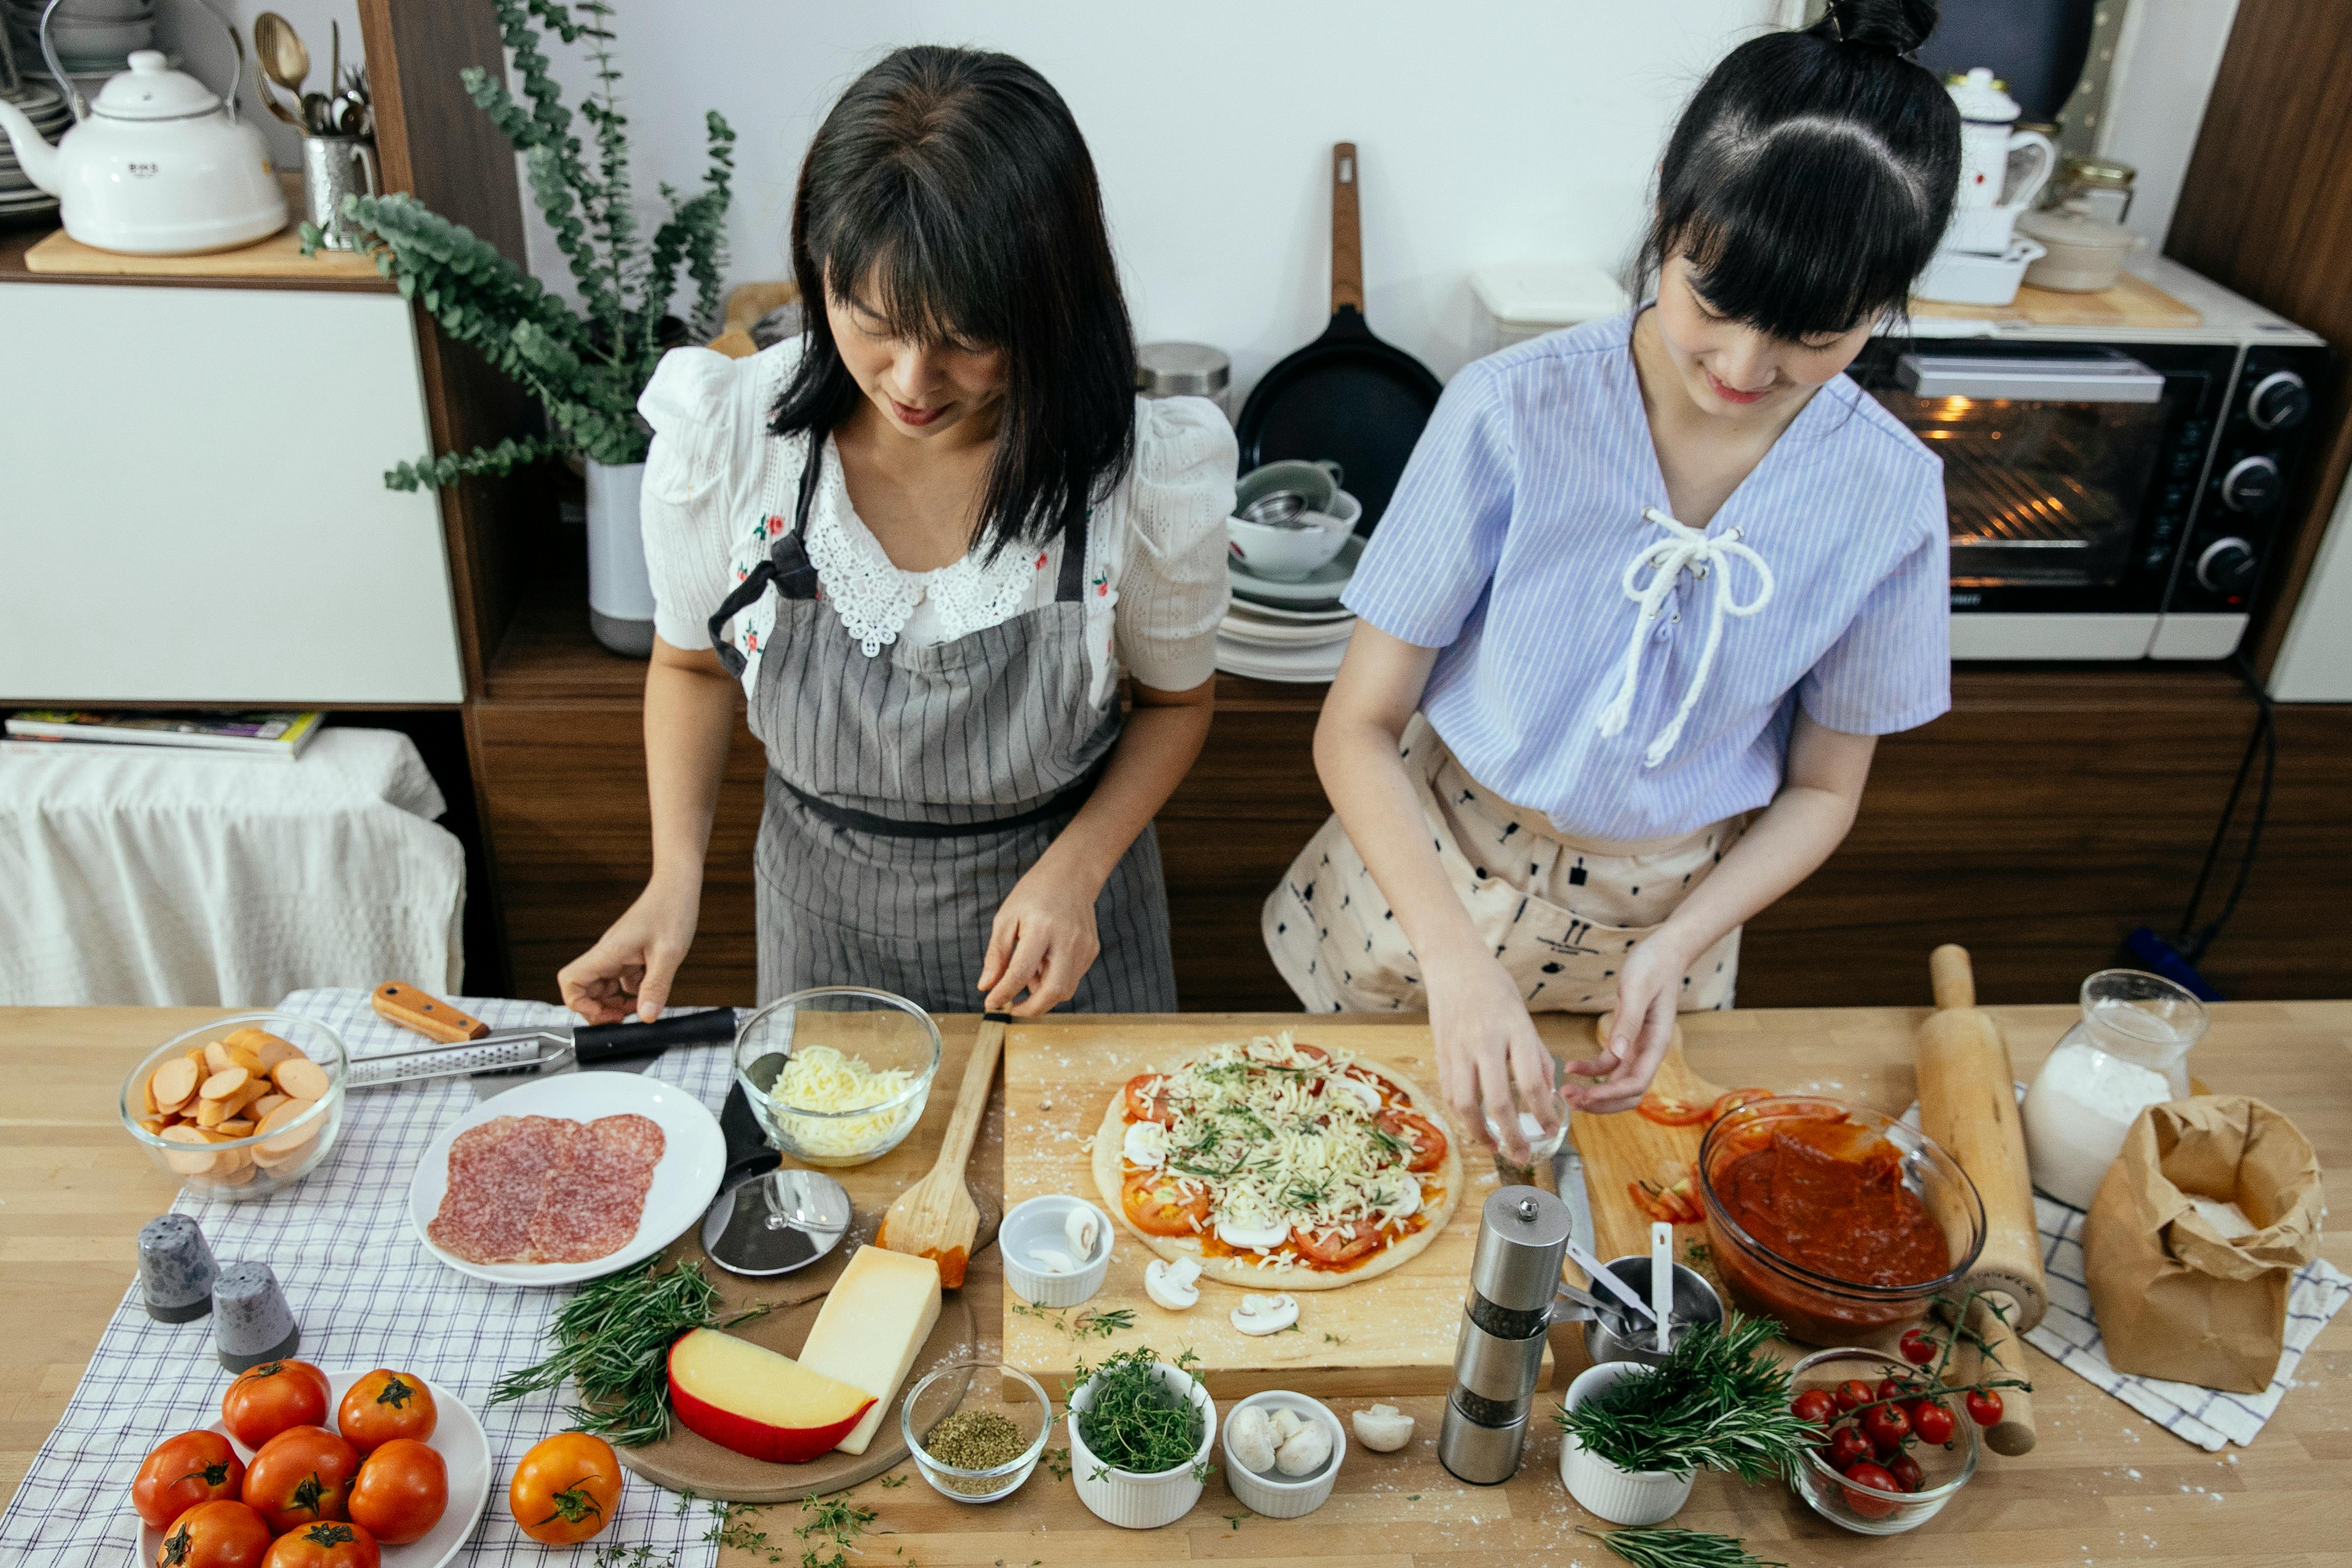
591, 1203
498, 1175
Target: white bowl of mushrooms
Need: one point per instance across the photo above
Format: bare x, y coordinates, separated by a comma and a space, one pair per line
1282, 1453
1056, 1249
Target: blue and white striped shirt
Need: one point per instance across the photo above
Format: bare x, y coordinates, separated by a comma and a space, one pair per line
1507, 546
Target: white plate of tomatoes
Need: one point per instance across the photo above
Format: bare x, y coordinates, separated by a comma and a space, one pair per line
313, 1424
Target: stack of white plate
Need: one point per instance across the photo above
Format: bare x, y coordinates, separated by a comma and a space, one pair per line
1289, 631
92, 36
19, 197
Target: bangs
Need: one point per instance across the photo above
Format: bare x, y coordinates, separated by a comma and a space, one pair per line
914, 266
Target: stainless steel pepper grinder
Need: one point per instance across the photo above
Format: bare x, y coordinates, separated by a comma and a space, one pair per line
1498, 1355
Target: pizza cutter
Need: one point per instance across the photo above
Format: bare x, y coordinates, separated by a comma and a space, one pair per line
769, 1218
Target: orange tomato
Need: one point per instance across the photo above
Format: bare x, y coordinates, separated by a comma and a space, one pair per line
1343, 1244
384, 1404
300, 1476
218, 1534
1419, 1133
1667, 1112
330, 1543
567, 1488
183, 1472
1160, 1205
266, 1400
1148, 1097
402, 1490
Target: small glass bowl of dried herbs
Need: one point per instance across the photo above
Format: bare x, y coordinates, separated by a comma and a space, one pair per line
976, 1429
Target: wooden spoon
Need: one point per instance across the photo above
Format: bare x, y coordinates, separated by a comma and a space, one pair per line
936, 1217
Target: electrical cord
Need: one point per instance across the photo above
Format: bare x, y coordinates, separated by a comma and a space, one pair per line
2193, 940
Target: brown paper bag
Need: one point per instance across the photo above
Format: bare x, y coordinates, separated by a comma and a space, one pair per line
2173, 1299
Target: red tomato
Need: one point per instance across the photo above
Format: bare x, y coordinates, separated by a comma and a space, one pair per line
183, 1472
220, 1534
1865, 1479
1667, 1112
402, 1490
1918, 1347
1984, 1407
1814, 1408
1417, 1133
330, 1543
1895, 1388
300, 1476
567, 1488
1886, 1427
266, 1400
1932, 1421
1852, 1393
1344, 1245
1148, 1097
1906, 1473
384, 1404
1160, 1205
1848, 1447
1731, 1100
1676, 1205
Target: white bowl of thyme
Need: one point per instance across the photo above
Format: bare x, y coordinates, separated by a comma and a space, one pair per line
1141, 1430
976, 1429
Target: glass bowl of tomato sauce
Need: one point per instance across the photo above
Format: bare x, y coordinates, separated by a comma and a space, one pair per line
1833, 1218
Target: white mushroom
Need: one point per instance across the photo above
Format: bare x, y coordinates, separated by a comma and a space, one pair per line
1260, 1314
1252, 1232
1172, 1284
1286, 1423
1398, 1196
1083, 1231
1382, 1428
1251, 1437
1146, 1143
1367, 1098
1305, 1451
1052, 1260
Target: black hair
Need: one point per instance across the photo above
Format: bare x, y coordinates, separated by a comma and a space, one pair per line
949, 193
1811, 178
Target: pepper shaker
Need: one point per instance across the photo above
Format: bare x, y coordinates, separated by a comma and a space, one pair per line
175, 1269
251, 1322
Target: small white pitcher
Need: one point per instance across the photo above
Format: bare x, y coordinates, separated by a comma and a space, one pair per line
1986, 209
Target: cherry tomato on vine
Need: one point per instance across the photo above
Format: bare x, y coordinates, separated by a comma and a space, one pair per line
1984, 1407
1865, 1479
1852, 1393
1918, 1347
1906, 1473
1895, 1388
1886, 1427
1932, 1421
1848, 1447
1814, 1408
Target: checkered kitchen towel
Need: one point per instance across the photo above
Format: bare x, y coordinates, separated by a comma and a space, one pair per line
2205, 1416
365, 1293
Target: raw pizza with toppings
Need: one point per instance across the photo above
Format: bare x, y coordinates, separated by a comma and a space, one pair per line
1278, 1164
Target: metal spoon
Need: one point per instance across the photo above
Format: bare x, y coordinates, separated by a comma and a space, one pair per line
284, 60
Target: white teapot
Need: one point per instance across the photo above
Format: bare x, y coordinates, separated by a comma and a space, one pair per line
1982, 219
157, 165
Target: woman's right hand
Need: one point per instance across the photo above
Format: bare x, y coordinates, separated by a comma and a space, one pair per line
1486, 1046
632, 964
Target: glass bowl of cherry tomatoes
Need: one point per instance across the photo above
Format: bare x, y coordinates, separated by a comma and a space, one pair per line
1891, 1454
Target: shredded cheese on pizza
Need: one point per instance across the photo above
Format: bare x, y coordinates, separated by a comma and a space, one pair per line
1280, 1139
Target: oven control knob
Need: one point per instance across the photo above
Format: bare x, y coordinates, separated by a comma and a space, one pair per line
2227, 567
2251, 484
2279, 401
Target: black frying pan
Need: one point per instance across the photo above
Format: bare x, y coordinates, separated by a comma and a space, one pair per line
1347, 395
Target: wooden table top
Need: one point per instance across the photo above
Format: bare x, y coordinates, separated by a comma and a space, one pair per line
2105, 1484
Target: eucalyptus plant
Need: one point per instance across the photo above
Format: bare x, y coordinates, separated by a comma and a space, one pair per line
585, 367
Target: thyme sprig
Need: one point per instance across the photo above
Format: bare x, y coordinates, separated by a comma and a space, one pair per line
1133, 1421
1714, 1403
1656, 1548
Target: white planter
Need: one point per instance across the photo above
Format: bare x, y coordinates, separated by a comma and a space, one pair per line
1277, 1496
1141, 1502
620, 593
1621, 1496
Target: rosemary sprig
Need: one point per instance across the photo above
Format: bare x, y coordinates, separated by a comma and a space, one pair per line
1133, 1421
1715, 1404
1091, 1323
613, 1340
1678, 1549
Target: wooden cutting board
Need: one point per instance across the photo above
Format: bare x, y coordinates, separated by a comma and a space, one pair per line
1628, 1147
2134, 301
277, 258
1387, 1336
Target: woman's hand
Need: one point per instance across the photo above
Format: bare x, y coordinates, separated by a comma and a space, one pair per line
1044, 941
1649, 988
1486, 1045
633, 962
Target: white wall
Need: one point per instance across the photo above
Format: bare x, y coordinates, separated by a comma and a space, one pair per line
185, 29
2165, 63
1488, 129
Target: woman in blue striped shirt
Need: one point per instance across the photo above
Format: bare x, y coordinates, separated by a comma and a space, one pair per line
1640, 581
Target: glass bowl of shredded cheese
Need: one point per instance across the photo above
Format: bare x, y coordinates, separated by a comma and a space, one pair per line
837, 1075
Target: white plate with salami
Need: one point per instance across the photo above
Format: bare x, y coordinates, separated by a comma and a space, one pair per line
567, 1178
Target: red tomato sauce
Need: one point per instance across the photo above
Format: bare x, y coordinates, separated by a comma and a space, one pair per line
1830, 1196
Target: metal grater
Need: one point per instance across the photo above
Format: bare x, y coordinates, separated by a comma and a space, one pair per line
543, 1048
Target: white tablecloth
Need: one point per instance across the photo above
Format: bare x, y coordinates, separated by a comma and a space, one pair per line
155, 877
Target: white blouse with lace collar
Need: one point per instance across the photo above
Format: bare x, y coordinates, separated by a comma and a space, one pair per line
719, 488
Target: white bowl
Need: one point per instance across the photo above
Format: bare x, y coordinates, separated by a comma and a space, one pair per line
1292, 554
1278, 1496
1621, 1496
1964, 278
1143, 1502
1039, 1223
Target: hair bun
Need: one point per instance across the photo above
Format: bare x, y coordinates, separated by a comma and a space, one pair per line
1899, 25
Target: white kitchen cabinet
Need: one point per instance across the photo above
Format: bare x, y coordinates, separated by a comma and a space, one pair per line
192, 502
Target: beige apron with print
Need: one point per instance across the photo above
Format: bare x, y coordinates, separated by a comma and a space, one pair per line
1560, 913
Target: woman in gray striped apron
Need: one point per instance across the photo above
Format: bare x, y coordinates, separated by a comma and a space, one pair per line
927, 539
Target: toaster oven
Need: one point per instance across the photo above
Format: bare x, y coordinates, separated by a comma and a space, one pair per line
2112, 494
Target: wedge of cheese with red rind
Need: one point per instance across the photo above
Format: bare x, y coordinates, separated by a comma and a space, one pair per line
763, 1405
873, 1324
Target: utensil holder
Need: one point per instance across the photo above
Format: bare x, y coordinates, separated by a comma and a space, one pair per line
334, 167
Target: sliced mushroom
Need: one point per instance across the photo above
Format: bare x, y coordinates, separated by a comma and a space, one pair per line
1263, 1314
1173, 1285
1083, 1231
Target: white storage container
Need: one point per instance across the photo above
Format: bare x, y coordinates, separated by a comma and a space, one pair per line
1523, 300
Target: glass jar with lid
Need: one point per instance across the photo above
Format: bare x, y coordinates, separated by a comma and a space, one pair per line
2099, 186
2128, 1051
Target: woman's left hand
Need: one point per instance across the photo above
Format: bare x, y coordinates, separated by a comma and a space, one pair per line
1044, 941
1648, 988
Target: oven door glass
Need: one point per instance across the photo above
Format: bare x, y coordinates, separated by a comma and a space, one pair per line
2042, 492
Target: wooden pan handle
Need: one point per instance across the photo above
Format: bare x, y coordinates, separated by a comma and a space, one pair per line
1347, 233
426, 1014
1954, 980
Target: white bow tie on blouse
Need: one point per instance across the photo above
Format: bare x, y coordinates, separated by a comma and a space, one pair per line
1684, 547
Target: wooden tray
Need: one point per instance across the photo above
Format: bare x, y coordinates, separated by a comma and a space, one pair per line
2134, 301
279, 258
1388, 1336
1629, 1147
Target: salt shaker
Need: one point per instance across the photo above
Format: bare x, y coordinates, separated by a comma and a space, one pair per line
251, 1322
175, 1269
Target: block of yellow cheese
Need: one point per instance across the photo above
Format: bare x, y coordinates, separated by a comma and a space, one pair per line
873, 1323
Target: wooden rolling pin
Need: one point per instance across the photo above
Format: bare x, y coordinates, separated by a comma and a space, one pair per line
1967, 1103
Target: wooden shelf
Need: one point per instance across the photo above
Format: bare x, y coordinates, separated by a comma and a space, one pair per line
341, 274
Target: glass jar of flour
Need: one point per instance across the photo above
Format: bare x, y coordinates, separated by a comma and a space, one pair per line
2129, 1052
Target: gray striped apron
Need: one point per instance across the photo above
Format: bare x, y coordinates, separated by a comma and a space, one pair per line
908, 792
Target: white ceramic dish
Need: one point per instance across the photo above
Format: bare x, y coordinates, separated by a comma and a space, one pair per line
1143, 1502
1964, 278
1277, 1496
694, 1157
457, 1437
1296, 665
1621, 1496
1286, 615
1319, 589
1292, 553
1042, 1222
1244, 627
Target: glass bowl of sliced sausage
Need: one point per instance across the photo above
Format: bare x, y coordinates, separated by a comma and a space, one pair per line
242, 1107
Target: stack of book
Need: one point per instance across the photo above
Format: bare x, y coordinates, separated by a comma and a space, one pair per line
282, 735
